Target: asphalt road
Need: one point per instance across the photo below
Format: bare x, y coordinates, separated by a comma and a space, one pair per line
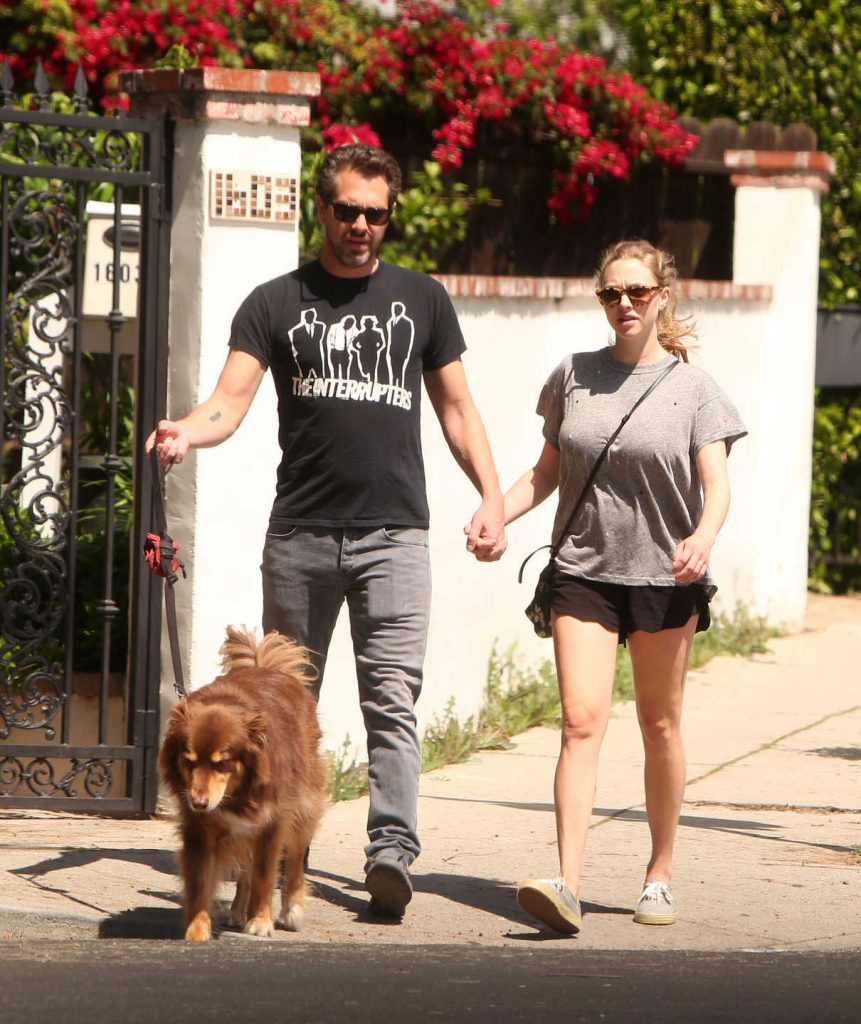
237, 979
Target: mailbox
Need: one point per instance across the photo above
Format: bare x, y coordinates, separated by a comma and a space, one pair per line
100, 264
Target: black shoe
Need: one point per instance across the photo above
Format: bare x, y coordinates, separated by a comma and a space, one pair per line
388, 882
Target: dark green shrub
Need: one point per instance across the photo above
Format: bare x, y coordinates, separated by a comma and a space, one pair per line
835, 504
780, 61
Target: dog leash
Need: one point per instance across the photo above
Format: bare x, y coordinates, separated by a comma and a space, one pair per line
161, 552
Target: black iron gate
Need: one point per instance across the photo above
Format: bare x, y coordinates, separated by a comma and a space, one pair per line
84, 228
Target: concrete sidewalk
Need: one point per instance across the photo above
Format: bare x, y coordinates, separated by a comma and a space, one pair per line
765, 850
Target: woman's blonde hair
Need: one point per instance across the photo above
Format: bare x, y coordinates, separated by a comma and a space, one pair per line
671, 329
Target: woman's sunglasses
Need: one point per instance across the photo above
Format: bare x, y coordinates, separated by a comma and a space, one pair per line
346, 213
639, 294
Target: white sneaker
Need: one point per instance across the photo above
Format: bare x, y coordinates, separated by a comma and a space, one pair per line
656, 905
552, 902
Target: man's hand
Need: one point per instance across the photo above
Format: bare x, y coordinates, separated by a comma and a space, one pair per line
485, 533
170, 441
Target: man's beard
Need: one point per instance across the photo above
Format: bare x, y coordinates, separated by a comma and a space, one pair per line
351, 257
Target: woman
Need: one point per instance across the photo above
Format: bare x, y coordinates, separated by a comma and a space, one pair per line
633, 565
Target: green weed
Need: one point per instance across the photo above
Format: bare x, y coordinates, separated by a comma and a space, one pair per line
739, 634
516, 698
348, 778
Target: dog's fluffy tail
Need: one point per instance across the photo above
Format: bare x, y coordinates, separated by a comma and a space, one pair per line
242, 649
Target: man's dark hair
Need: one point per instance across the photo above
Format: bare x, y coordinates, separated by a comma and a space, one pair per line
369, 161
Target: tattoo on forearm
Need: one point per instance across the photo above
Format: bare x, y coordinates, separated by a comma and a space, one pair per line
215, 416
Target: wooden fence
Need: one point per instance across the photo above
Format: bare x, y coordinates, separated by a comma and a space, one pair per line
688, 210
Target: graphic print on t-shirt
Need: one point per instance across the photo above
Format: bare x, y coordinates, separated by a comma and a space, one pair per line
306, 340
356, 358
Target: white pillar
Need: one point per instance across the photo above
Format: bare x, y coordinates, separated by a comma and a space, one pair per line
777, 225
236, 177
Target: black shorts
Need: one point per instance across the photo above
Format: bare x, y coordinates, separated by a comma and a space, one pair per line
625, 609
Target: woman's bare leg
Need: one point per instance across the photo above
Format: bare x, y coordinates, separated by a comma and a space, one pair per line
660, 663
585, 665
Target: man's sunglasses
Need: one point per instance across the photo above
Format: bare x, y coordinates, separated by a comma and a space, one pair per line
346, 213
639, 294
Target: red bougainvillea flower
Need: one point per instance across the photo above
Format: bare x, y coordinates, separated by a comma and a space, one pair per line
423, 67
344, 134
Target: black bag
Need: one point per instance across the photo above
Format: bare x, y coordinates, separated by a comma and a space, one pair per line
538, 609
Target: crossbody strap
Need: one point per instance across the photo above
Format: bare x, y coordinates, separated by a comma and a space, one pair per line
597, 465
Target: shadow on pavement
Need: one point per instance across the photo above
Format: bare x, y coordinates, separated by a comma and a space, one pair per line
143, 923
337, 897
159, 860
846, 753
357, 905
69, 860
690, 820
489, 895
731, 826
512, 804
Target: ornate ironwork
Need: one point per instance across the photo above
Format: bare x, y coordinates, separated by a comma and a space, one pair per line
38, 776
55, 155
44, 137
103, 144
40, 234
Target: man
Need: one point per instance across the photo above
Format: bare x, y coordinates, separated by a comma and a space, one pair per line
350, 517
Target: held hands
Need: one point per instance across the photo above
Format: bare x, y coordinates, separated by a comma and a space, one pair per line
485, 533
171, 442
691, 559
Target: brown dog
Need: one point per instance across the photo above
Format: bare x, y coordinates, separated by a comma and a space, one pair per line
241, 756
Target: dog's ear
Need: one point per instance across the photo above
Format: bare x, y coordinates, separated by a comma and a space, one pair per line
256, 727
173, 747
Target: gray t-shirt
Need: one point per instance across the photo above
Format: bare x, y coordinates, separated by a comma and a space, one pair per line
646, 497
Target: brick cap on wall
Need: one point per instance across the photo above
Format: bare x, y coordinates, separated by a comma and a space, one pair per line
230, 94
780, 169
475, 286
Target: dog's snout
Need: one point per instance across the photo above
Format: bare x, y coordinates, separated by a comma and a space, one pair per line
199, 801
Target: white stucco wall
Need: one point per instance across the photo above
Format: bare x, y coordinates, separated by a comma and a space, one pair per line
218, 500
777, 240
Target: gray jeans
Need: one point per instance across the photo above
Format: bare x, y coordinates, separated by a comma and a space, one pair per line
384, 576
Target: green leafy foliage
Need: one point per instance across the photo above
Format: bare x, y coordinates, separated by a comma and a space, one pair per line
583, 24
781, 61
177, 57
835, 501
432, 212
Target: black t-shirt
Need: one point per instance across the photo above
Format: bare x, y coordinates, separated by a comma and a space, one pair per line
347, 357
